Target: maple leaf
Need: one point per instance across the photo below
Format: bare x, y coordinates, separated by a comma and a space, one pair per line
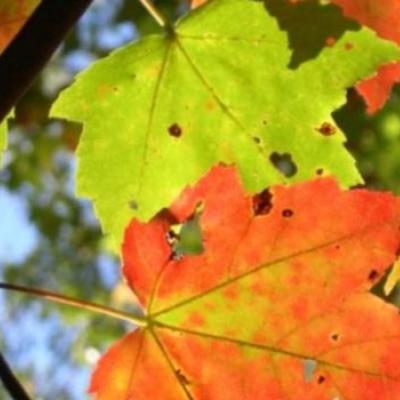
218, 90
13, 15
276, 307
377, 90
383, 16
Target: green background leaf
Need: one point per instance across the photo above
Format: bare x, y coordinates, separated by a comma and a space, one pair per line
3, 139
159, 113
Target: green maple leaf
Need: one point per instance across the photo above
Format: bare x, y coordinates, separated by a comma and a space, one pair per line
159, 113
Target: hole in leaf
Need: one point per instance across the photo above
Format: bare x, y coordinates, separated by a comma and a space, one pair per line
283, 163
175, 130
379, 282
309, 370
262, 202
186, 239
287, 213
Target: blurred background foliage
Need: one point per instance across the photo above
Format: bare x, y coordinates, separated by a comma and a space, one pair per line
51, 239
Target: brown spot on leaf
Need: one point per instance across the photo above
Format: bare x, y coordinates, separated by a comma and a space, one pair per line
349, 46
319, 171
175, 130
133, 205
321, 379
327, 129
256, 139
166, 216
182, 377
373, 275
287, 213
262, 203
335, 337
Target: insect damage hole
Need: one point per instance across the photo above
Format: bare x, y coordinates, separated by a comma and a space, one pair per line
262, 202
284, 163
187, 239
309, 367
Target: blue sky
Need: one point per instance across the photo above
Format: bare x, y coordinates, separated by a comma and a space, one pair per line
26, 338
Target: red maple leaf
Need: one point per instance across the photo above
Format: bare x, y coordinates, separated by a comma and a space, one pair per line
277, 306
383, 16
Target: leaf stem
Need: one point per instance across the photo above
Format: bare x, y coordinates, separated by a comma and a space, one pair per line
156, 14
58, 298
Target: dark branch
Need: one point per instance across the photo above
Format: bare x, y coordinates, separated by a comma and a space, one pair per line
30, 50
11, 383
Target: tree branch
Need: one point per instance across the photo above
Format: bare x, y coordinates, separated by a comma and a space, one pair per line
33, 46
11, 383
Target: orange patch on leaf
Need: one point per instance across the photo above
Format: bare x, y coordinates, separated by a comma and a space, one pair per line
196, 320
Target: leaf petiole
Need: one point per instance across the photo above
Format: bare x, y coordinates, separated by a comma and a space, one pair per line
82, 304
156, 14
